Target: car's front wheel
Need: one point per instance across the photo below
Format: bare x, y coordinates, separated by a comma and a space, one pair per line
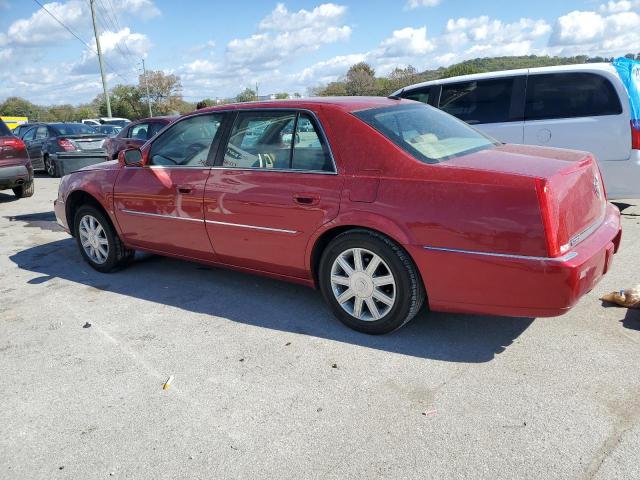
99, 243
370, 282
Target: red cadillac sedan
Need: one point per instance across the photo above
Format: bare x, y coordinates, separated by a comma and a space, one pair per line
383, 204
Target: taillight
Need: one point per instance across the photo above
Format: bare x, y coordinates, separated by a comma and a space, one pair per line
550, 219
12, 142
66, 144
635, 134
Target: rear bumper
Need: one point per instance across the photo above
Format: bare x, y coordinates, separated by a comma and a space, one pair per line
15, 175
474, 282
70, 162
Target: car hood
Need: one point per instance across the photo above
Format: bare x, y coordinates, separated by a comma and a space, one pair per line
526, 160
110, 165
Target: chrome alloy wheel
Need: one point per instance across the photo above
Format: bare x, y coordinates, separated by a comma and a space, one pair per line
363, 284
93, 239
49, 167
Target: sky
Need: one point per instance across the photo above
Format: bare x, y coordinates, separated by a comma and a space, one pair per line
218, 48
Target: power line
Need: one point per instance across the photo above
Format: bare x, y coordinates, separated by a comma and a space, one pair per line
76, 36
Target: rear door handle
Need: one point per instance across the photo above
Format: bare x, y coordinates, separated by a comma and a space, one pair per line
185, 189
306, 199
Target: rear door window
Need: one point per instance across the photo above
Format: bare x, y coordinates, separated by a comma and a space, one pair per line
570, 95
42, 133
480, 101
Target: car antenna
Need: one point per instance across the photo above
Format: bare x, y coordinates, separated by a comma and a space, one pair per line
398, 96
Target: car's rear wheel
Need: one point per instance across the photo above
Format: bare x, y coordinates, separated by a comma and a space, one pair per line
50, 167
99, 244
25, 190
370, 282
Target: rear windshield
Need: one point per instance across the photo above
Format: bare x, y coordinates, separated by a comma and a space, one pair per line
4, 130
117, 123
73, 128
428, 134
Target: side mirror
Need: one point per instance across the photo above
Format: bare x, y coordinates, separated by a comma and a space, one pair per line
130, 157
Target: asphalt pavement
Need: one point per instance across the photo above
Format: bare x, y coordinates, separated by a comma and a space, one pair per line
267, 384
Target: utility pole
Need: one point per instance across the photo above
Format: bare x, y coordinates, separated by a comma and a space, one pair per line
146, 83
104, 79
257, 96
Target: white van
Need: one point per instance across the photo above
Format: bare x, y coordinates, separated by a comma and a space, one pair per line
582, 107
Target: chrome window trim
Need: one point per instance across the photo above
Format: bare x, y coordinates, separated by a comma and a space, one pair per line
564, 258
321, 133
160, 215
252, 227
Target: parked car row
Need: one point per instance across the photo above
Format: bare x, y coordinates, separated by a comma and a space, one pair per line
60, 148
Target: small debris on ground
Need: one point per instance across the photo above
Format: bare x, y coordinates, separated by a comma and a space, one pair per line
287, 344
86, 325
335, 365
430, 413
319, 409
61, 467
167, 384
241, 360
629, 298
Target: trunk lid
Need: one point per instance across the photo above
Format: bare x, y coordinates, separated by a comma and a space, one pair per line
568, 183
88, 142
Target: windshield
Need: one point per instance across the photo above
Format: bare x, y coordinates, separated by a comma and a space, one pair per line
74, 128
428, 134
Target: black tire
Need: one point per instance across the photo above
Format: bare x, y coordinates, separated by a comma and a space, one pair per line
118, 256
409, 290
50, 167
25, 190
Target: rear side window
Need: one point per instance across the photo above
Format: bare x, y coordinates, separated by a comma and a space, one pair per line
419, 94
478, 102
570, 95
4, 130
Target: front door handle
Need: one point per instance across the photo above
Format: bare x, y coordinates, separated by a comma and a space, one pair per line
185, 189
306, 199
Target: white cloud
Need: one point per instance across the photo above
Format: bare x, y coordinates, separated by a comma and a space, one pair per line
617, 7
144, 9
407, 42
588, 32
323, 16
284, 35
113, 44
41, 29
413, 4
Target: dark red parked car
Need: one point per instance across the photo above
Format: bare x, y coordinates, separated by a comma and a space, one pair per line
16, 172
383, 204
135, 134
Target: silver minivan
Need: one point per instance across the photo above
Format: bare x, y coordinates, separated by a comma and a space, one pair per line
581, 107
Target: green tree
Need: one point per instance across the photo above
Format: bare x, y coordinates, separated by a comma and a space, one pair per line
282, 96
247, 95
360, 79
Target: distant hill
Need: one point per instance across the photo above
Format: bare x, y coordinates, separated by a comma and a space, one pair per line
360, 79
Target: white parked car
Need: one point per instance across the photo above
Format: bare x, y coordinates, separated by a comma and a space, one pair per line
117, 121
581, 107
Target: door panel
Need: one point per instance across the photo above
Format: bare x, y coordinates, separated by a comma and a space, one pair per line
161, 209
508, 132
263, 219
580, 111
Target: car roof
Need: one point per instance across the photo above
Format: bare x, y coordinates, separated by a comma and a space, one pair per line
580, 67
346, 104
161, 118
